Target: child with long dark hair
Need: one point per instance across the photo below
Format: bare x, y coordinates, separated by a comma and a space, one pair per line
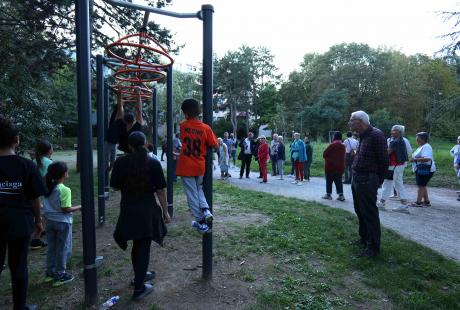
42, 155
20, 189
58, 210
139, 177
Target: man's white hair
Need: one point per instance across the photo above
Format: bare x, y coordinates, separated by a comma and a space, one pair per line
361, 115
399, 128
280, 138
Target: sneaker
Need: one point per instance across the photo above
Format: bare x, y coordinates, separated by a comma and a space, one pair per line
247, 177
300, 183
280, 178
138, 295
36, 244
394, 197
149, 275
294, 182
426, 204
263, 182
381, 205
241, 176
415, 204
62, 278
49, 277
327, 196
341, 198
207, 215
402, 209
202, 228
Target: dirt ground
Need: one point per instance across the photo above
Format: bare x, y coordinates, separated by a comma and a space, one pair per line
178, 283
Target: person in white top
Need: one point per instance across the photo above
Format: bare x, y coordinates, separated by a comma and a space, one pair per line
351, 148
455, 152
424, 166
399, 150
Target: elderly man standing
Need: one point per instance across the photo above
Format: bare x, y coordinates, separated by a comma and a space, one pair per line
369, 169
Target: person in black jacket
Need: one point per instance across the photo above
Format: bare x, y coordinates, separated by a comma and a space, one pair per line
281, 157
141, 220
21, 185
248, 149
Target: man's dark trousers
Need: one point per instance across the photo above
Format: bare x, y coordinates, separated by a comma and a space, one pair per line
245, 162
364, 189
348, 164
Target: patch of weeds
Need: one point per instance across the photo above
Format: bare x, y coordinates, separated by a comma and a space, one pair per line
106, 271
246, 275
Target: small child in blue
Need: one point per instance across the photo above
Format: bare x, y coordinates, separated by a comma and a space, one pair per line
58, 210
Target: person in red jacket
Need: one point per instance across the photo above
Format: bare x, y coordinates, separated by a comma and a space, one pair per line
263, 154
334, 166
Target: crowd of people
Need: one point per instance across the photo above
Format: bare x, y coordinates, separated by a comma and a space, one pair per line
34, 198
339, 157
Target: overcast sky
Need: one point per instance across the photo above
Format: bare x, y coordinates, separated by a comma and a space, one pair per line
292, 28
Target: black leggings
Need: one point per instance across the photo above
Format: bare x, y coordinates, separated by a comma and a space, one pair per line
140, 257
17, 262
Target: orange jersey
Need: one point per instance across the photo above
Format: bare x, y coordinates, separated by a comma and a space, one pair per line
196, 137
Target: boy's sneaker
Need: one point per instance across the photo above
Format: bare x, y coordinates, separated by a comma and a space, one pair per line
138, 295
49, 277
149, 276
36, 244
402, 209
294, 182
341, 197
416, 204
207, 215
62, 278
381, 205
426, 204
300, 183
327, 196
202, 228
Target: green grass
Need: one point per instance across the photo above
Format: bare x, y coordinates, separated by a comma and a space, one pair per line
310, 243
444, 176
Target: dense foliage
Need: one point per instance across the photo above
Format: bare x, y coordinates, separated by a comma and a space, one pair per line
37, 44
418, 91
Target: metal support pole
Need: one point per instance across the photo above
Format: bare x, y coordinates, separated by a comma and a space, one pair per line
154, 120
169, 133
106, 127
84, 146
100, 139
207, 14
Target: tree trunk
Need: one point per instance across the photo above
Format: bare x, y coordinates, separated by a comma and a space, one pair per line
233, 118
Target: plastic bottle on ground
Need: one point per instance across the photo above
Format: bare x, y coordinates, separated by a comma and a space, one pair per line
109, 303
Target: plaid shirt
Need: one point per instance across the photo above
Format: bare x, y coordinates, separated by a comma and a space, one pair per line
372, 156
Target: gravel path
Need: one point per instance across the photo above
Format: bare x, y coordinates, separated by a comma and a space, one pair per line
437, 227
